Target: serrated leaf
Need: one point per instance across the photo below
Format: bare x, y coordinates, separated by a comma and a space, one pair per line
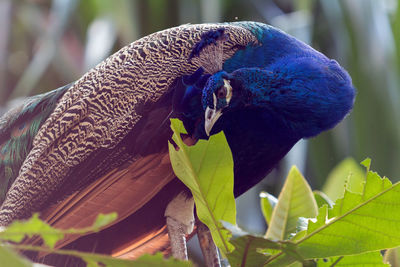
18, 230
94, 260
320, 221
91, 263
247, 251
207, 170
296, 264
366, 163
373, 259
358, 223
34, 226
322, 199
295, 200
145, 261
268, 203
299, 235
11, 258
347, 173
103, 220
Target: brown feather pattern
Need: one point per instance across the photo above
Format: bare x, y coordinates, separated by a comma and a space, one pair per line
95, 115
104, 105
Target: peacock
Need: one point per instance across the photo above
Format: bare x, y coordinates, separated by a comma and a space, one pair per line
100, 144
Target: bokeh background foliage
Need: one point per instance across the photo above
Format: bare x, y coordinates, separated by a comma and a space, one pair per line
45, 44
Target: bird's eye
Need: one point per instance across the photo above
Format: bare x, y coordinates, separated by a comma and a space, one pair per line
221, 93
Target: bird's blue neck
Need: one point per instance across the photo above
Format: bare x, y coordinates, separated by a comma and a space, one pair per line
258, 140
253, 87
257, 137
309, 95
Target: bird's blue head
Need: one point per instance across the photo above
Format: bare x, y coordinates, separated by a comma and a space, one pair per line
306, 94
217, 96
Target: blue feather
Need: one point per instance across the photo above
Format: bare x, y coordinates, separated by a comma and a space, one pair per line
282, 90
273, 45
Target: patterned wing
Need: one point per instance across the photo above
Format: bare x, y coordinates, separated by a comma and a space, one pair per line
101, 109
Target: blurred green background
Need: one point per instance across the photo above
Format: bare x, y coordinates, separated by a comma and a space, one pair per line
46, 44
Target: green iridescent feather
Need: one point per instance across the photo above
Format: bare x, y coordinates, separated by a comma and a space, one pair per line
18, 127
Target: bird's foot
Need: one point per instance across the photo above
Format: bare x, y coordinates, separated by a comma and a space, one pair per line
180, 222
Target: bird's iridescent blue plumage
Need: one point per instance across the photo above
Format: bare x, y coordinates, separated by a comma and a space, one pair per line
283, 90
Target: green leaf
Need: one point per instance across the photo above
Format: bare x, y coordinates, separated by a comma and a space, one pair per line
322, 199
145, 261
358, 223
18, 230
250, 250
315, 224
104, 220
207, 170
366, 163
268, 203
95, 260
34, 226
295, 200
296, 264
11, 258
246, 251
347, 173
367, 259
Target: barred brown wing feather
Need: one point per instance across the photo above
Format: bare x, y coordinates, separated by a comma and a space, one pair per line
136, 76
99, 149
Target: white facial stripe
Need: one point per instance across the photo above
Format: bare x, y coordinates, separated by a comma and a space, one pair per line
228, 87
215, 101
211, 116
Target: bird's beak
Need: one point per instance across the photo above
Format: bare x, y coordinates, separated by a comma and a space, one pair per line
211, 117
